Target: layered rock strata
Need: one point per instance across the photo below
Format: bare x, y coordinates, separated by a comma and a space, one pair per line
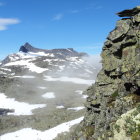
117, 87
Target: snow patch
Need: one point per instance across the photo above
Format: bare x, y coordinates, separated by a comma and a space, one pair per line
1, 72
81, 93
25, 76
21, 108
42, 87
23, 55
76, 108
62, 67
60, 107
41, 54
6, 69
84, 96
48, 95
12, 74
32, 67
48, 60
38, 135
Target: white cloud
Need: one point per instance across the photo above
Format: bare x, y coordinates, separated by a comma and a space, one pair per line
4, 22
58, 17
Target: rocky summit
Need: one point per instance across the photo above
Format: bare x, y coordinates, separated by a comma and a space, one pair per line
26, 48
113, 103
29, 48
32, 59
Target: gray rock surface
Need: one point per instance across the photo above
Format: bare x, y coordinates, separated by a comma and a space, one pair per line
117, 87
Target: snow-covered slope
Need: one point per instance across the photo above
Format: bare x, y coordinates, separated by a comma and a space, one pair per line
62, 61
42, 90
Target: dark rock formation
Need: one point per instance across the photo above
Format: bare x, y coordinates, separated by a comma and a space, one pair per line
5, 111
129, 12
117, 87
28, 48
65, 52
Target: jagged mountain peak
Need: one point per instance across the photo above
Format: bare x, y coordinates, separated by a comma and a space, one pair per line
26, 47
29, 48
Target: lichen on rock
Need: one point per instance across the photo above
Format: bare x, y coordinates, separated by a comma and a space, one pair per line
117, 87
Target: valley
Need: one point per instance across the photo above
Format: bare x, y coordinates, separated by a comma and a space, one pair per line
42, 91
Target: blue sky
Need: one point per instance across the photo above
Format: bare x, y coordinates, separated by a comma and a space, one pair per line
79, 24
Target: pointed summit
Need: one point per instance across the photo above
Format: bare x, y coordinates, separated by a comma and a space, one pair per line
27, 48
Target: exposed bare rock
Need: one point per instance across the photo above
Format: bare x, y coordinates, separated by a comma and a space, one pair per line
117, 87
129, 12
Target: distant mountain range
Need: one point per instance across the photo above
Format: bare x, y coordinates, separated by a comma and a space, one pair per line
32, 59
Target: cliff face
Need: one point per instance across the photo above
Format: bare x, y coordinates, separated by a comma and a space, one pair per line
117, 87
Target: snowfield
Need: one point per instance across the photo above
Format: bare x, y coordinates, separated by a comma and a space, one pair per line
60, 107
20, 108
32, 134
70, 79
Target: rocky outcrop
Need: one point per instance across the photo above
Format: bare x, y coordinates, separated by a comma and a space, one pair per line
117, 87
129, 12
29, 48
